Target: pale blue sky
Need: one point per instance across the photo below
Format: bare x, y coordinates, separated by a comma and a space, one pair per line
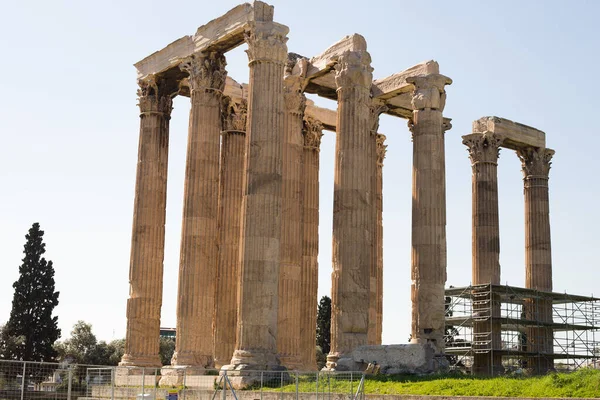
69, 130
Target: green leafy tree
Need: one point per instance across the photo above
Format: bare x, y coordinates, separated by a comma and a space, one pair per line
324, 324
80, 348
31, 331
166, 349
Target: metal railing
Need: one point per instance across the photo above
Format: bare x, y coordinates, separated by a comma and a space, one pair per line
20, 380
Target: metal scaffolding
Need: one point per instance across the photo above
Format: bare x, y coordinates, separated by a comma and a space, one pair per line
512, 325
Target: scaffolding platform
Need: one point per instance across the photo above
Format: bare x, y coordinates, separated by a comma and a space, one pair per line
505, 321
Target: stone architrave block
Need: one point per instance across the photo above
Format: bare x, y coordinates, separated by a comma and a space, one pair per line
515, 135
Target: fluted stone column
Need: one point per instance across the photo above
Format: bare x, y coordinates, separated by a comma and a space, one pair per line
313, 131
288, 330
484, 149
233, 153
256, 345
378, 244
198, 259
354, 221
148, 234
538, 252
428, 259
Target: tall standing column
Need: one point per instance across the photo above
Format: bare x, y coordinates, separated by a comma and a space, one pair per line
428, 258
233, 153
484, 149
288, 340
148, 234
256, 345
354, 220
538, 253
198, 262
313, 131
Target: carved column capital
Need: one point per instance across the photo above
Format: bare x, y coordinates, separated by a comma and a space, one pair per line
266, 42
206, 71
376, 110
483, 147
353, 68
234, 115
152, 98
313, 131
535, 162
429, 91
381, 148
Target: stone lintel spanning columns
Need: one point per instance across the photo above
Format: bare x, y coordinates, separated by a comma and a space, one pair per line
484, 149
198, 259
290, 283
256, 344
376, 268
313, 131
233, 153
538, 253
148, 233
428, 258
354, 220
514, 134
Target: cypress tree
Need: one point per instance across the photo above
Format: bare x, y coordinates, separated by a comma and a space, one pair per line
324, 324
33, 302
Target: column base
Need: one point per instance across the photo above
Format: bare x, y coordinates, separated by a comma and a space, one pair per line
136, 376
246, 369
187, 377
332, 360
129, 360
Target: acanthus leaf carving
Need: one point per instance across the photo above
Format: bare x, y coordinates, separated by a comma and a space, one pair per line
483, 147
381, 148
266, 42
313, 131
429, 91
234, 115
151, 97
535, 162
353, 68
294, 80
206, 71
376, 109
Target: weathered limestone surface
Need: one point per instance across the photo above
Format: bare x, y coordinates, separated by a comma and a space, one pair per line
148, 234
313, 131
484, 149
538, 253
354, 220
428, 260
515, 135
233, 153
290, 278
395, 359
196, 293
256, 345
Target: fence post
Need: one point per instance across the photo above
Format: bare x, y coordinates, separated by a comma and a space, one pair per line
261, 384
225, 386
281, 385
23, 380
317, 387
70, 383
112, 383
351, 385
155, 382
143, 383
297, 385
184, 388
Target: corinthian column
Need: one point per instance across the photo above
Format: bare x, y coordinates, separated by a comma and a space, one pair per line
484, 149
256, 346
233, 153
313, 131
148, 235
538, 253
428, 258
196, 292
288, 329
354, 221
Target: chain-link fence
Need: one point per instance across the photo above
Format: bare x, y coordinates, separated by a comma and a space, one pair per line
61, 381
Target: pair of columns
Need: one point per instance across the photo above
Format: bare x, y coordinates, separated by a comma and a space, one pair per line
484, 150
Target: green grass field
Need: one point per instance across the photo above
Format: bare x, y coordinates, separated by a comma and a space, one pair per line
582, 383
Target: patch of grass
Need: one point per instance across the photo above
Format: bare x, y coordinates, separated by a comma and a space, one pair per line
582, 383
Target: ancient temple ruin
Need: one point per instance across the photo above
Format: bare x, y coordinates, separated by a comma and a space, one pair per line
251, 201
248, 270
